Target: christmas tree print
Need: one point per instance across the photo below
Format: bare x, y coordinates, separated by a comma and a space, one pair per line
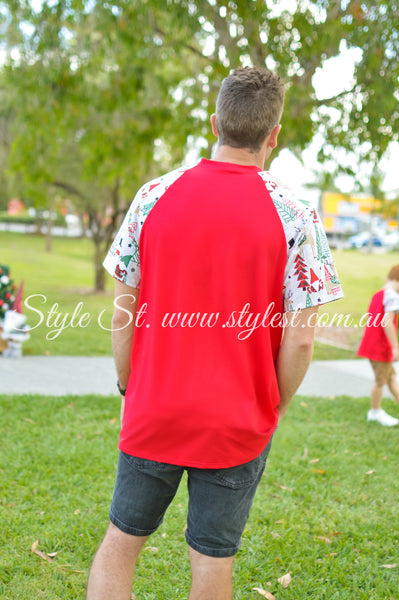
126, 259
135, 255
287, 213
323, 251
330, 276
7, 290
147, 207
300, 272
313, 279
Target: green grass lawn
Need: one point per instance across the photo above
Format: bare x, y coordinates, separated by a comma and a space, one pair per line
59, 285
326, 510
59, 288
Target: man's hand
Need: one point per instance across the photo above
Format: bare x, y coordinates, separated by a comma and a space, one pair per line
123, 324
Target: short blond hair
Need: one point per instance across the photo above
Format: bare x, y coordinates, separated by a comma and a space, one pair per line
249, 105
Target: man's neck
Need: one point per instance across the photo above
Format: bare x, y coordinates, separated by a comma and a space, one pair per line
240, 156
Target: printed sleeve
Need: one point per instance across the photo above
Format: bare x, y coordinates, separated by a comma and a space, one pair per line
122, 260
311, 278
391, 301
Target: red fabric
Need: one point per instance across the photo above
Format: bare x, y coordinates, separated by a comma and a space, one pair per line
375, 344
199, 396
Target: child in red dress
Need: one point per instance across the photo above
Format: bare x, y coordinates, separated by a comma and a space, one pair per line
380, 345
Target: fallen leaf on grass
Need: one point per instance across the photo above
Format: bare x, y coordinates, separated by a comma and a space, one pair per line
315, 460
370, 472
280, 521
112, 421
321, 471
275, 535
303, 404
264, 593
305, 453
389, 566
152, 548
283, 487
285, 580
41, 554
28, 420
323, 539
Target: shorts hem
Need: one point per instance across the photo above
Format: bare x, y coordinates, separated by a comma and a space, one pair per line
213, 552
130, 530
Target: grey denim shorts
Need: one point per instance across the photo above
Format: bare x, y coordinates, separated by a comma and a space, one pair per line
219, 500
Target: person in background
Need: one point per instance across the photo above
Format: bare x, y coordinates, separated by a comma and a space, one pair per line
207, 262
380, 345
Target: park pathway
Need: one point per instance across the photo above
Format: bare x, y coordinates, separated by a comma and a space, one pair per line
79, 375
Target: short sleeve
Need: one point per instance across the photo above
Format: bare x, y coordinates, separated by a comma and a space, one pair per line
391, 301
311, 278
122, 260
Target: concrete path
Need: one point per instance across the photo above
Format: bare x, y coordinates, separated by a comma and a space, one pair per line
59, 376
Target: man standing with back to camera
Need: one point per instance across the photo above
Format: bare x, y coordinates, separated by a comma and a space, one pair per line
220, 243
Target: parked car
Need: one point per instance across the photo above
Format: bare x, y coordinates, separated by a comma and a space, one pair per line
361, 240
391, 240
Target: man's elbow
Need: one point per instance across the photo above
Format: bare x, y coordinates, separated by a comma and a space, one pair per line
121, 321
306, 344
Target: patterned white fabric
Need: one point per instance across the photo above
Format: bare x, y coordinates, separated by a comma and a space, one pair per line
391, 300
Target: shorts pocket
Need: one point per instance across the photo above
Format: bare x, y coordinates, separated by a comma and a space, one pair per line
146, 465
244, 475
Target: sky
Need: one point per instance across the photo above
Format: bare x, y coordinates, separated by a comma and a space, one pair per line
335, 76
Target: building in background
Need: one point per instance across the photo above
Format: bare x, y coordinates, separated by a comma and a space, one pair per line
344, 216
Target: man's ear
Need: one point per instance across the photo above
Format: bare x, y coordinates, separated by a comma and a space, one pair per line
274, 135
213, 123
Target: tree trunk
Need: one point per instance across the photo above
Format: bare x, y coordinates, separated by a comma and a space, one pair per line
49, 232
99, 283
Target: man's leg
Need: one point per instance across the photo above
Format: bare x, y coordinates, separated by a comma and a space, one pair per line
111, 574
219, 504
211, 577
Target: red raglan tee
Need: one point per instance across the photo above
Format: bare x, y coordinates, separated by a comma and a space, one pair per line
217, 261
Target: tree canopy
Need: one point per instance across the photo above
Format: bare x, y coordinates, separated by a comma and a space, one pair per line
100, 96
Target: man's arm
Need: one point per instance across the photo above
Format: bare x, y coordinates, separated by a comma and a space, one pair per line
390, 331
295, 353
123, 323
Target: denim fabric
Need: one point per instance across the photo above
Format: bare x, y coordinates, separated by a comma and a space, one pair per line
219, 500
